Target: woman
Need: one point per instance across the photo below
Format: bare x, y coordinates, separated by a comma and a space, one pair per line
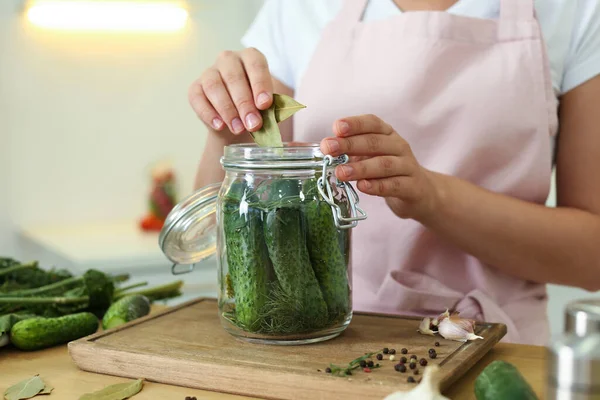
450, 112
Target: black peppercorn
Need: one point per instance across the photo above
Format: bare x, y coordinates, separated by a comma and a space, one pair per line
403, 360
404, 351
363, 363
379, 357
432, 355
377, 365
328, 370
423, 362
410, 379
400, 367
392, 351
370, 364
386, 350
431, 350
413, 365
413, 357
416, 372
437, 344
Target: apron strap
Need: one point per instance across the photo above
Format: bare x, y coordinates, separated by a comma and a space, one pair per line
352, 10
517, 10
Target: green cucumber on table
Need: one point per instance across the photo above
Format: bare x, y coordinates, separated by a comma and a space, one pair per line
501, 380
40, 333
126, 309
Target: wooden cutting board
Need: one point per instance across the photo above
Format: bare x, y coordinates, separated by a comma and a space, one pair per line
186, 346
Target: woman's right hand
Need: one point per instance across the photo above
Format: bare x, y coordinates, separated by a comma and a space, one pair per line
229, 94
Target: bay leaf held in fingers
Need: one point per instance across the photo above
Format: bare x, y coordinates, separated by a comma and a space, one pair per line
268, 135
285, 107
118, 391
25, 389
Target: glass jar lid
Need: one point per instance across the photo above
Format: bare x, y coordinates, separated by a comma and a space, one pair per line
189, 235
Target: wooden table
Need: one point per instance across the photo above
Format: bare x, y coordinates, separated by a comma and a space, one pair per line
55, 366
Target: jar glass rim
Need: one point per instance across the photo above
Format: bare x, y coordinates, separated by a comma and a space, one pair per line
292, 155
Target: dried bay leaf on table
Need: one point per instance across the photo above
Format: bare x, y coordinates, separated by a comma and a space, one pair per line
119, 391
25, 389
47, 389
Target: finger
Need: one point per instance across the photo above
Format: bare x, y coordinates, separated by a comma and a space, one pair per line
368, 144
203, 108
357, 125
354, 159
397, 186
257, 70
219, 97
232, 72
374, 168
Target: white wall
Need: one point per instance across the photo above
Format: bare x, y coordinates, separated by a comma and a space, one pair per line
86, 115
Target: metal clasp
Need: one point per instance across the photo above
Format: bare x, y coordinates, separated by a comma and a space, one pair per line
356, 213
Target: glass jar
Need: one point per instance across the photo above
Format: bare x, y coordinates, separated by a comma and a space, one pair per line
280, 225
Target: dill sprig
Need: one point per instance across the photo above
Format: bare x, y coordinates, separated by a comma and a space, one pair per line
345, 370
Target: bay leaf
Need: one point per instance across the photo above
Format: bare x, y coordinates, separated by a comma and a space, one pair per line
268, 135
47, 389
25, 389
285, 107
118, 391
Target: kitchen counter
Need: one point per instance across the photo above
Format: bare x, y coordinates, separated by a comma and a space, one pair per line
55, 366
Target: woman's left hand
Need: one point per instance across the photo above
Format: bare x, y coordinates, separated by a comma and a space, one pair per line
383, 164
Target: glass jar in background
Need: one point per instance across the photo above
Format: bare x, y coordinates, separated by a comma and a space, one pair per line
280, 224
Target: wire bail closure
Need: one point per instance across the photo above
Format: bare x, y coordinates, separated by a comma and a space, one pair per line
324, 186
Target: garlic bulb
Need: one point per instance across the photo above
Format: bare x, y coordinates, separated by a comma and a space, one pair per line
459, 329
428, 389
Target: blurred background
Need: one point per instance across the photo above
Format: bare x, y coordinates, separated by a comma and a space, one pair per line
85, 115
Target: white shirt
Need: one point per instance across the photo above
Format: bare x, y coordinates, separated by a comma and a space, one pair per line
288, 31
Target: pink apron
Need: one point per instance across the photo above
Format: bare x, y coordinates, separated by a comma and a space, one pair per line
473, 98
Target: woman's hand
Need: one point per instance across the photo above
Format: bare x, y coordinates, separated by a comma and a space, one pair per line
229, 94
383, 164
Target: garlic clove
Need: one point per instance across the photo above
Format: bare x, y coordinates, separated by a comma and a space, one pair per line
436, 321
424, 327
458, 329
428, 389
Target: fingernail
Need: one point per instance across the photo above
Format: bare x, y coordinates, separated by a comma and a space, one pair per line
367, 184
333, 145
344, 127
237, 125
252, 121
263, 98
217, 123
347, 170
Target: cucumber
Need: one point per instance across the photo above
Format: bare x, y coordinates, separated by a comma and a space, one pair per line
247, 258
6, 323
502, 381
126, 309
40, 333
328, 261
286, 243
